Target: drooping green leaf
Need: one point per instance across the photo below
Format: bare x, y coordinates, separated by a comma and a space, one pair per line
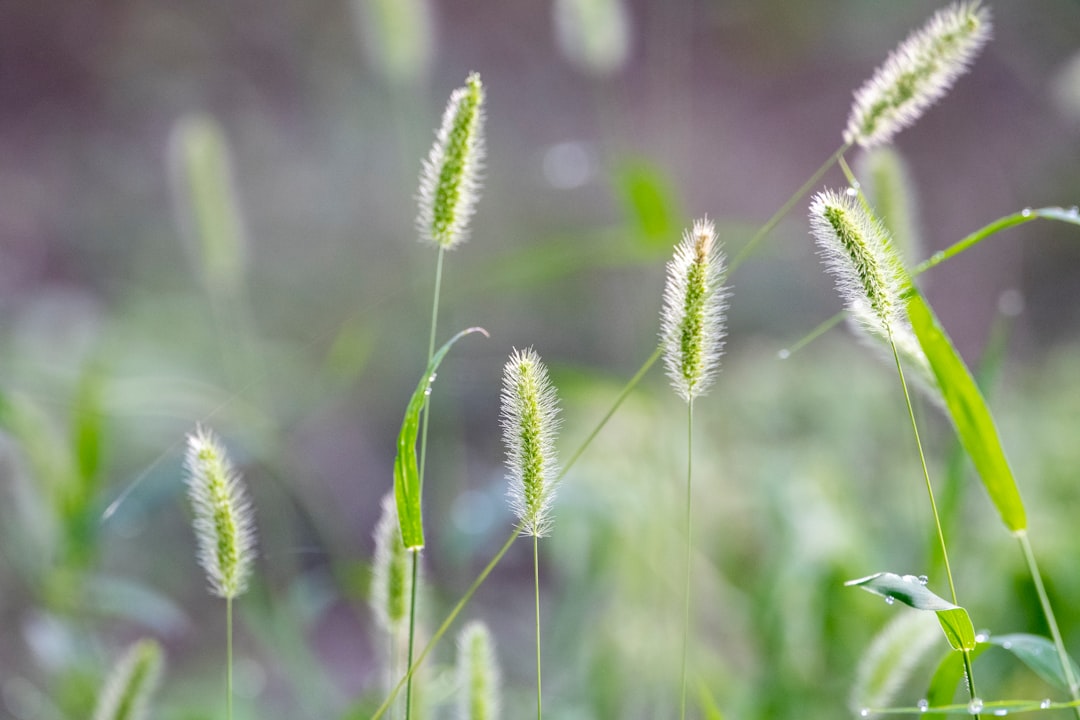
970, 415
912, 591
1039, 654
406, 468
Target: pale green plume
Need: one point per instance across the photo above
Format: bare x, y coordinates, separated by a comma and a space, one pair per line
131, 684
918, 73
529, 422
391, 582
869, 276
398, 37
224, 526
594, 35
450, 177
692, 319
478, 674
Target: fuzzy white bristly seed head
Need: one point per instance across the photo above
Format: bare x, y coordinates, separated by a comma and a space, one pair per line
692, 319
478, 674
224, 526
450, 177
391, 582
857, 251
918, 73
529, 423
132, 682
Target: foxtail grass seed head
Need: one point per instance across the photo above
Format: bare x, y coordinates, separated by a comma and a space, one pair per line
692, 319
131, 684
918, 73
478, 674
857, 251
391, 582
450, 177
529, 423
224, 526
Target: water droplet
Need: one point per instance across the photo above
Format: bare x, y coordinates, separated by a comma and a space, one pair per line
1045, 704
937, 257
981, 637
923, 705
784, 354
1026, 212
975, 706
432, 378
889, 600
1074, 211
865, 712
1007, 645
852, 192
427, 390
1001, 712
923, 579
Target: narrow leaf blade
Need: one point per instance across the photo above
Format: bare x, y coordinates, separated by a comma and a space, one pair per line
406, 469
970, 415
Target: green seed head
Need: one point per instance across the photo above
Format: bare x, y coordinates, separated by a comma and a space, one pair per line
692, 319
391, 583
529, 423
478, 674
224, 526
450, 177
918, 73
132, 682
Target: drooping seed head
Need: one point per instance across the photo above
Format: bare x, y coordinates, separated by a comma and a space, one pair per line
391, 583
132, 682
529, 423
692, 319
450, 177
918, 73
856, 250
478, 674
224, 526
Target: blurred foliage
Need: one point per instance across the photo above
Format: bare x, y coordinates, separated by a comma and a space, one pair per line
294, 318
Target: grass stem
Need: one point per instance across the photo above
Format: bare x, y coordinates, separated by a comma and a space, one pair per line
536, 585
412, 633
785, 209
686, 590
228, 659
1051, 619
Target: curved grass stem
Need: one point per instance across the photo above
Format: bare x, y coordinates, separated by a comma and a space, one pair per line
536, 585
228, 660
1051, 619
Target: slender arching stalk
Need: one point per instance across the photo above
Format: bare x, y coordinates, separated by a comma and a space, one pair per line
228, 659
686, 589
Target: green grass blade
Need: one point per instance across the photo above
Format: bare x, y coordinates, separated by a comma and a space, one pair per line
970, 415
406, 469
912, 591
1039, 654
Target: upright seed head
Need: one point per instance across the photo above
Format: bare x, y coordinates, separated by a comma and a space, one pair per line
391, 583
529, 424
692, 319
450, 177
478, 674
918, 73
132, 682
224, 526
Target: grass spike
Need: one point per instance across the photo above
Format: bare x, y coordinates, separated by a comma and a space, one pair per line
131, 684
479, 678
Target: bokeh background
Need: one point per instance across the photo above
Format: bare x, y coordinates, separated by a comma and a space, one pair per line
207, 214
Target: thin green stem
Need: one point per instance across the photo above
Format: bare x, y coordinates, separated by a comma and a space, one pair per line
228, 659
933, 507
1051, 620
447, 623
423, 462
536, 585
689, 537
785, 209
412, 633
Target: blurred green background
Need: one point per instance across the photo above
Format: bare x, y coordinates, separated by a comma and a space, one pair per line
206, 214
